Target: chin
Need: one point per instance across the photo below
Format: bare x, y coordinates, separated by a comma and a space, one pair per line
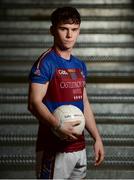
66, 48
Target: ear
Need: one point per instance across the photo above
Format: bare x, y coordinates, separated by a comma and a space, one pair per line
52, 30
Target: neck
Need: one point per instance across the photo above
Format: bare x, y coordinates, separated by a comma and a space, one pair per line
64, 53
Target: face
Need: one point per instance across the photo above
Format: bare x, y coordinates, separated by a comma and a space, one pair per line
65, 35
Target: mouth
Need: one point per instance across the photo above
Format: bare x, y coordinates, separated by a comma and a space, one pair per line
68, 41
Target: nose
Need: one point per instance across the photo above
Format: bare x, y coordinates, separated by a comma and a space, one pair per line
69, 34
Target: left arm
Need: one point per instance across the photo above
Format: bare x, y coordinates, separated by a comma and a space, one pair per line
92, 129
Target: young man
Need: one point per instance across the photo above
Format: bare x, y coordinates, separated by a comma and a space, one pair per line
58, 78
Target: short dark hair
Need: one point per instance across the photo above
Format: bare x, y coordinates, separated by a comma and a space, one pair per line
65, 15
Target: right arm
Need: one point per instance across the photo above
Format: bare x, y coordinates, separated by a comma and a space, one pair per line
35, 105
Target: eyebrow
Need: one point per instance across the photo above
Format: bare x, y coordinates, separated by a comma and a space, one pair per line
67, 27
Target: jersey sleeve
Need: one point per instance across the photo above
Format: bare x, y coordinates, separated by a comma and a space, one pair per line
40, 72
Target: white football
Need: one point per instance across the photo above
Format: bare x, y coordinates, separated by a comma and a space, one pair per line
70, 113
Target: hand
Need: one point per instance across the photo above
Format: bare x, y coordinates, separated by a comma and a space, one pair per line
67, 131
99, 152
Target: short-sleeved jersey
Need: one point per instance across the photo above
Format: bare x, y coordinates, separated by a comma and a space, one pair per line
66, 83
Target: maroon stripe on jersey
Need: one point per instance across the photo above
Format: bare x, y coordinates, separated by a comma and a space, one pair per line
41, 57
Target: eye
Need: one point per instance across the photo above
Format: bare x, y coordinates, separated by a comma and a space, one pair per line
75, 29
62, 28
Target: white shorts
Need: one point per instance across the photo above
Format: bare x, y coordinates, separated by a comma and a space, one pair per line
70, 165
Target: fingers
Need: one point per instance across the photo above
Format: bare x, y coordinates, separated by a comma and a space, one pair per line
99, 157
70, 137
67, 131
99, 152
75, 123
73, 137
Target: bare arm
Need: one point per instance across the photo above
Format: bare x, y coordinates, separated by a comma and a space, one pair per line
90, 120
35, 105
92, 129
